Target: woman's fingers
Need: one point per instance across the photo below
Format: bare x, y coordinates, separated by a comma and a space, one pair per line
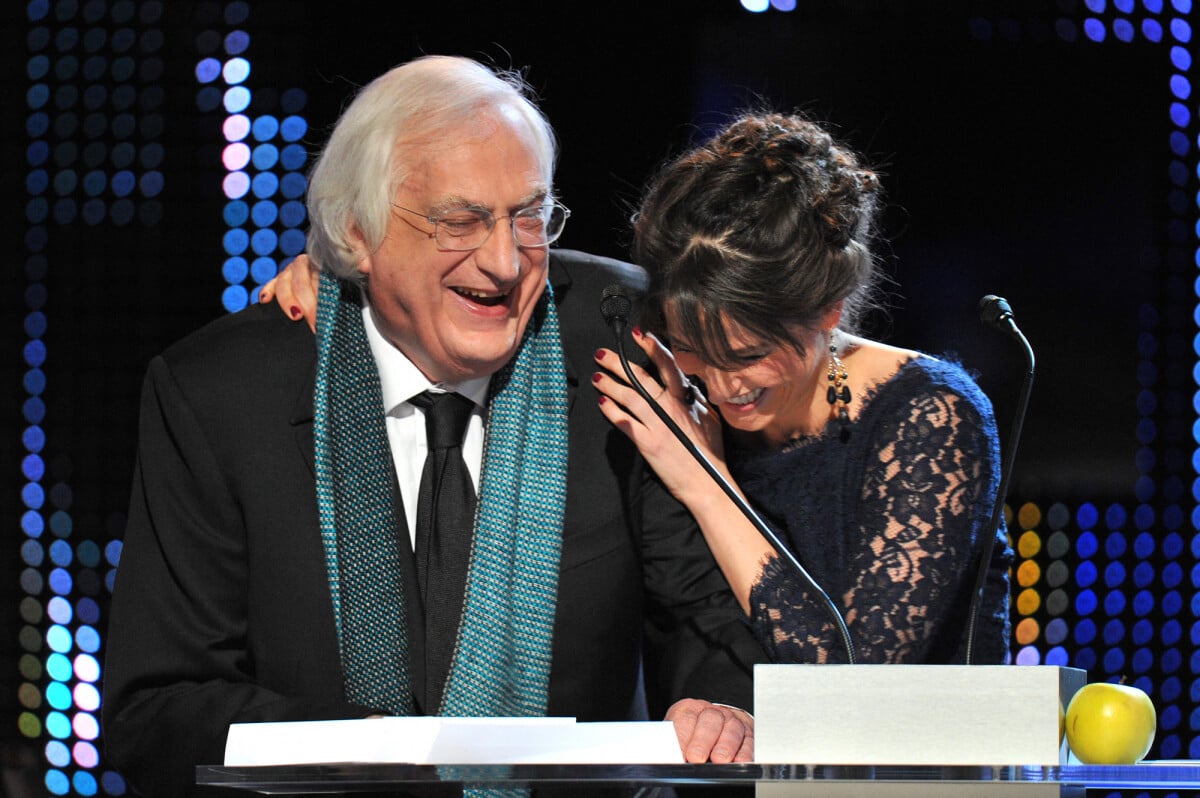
303, 282
633, 415
614, 384
675, 380
610, 360
664, 361
279, 288
625, 408
671, 389
295, 290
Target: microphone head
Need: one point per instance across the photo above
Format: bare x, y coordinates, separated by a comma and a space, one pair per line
994, 310
615, 304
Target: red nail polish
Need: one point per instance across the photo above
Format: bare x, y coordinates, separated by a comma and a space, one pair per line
597, 377
637, 332
295, 312
599, 354
603, 399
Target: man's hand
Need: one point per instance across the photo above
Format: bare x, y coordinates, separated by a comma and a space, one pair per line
712, 732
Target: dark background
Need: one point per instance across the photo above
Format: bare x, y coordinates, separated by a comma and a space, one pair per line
1015, 162
1024, 166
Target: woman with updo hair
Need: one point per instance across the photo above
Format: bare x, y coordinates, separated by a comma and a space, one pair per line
876, 466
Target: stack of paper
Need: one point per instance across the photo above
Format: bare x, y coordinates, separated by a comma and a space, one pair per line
452, 741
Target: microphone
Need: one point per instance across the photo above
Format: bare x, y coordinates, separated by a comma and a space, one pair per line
996, 312
615, 306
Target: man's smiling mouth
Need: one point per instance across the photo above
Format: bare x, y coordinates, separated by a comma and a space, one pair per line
486, 298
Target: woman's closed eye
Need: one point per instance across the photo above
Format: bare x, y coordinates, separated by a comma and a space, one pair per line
748, 357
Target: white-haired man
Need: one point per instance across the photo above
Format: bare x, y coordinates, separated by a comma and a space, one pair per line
286, 556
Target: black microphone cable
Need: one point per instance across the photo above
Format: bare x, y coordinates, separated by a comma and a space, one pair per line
996, 312
616, 307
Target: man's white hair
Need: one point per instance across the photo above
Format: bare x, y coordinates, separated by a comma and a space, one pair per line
373, 148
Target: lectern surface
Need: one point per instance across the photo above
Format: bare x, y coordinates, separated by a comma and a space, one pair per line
349, 778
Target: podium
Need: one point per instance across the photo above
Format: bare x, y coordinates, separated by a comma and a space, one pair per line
880, 731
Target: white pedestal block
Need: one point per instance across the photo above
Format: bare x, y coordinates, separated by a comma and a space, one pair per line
912, 714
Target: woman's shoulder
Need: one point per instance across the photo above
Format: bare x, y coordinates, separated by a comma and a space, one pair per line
893, 374
947, 374
873, 363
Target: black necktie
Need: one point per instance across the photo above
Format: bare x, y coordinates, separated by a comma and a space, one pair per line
445, 524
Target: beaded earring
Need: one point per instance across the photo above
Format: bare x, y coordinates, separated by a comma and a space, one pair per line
838, 392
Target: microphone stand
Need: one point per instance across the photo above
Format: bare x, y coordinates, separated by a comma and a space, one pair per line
996, 312
615, 306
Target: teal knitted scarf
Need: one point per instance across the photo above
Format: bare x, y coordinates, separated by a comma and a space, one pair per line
501, 662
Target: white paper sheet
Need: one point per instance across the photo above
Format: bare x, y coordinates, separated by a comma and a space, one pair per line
458, 741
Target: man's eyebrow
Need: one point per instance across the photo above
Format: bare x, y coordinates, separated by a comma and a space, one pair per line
458, 203
454, 203
535, 197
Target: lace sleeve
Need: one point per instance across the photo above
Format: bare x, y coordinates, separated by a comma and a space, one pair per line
908, 543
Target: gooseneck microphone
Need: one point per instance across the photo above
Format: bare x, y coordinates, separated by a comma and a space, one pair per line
616, 306
996, 312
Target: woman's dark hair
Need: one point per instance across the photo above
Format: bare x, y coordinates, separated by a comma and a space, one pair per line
765, 226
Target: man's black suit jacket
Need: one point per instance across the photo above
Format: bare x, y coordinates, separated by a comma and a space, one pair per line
221, 611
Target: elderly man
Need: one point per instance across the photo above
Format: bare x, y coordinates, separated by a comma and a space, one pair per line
417, 514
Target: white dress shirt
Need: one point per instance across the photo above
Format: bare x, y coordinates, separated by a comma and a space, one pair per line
401, 381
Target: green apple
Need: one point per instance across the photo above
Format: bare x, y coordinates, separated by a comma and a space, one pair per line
1110, 724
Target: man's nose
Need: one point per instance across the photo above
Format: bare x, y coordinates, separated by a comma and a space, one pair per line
499, 256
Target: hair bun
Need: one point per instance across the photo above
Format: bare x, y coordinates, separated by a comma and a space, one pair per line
798, 157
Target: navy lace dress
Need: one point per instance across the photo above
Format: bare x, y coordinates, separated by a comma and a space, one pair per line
889, 521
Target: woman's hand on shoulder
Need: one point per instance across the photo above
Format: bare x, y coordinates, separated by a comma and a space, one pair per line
295, 290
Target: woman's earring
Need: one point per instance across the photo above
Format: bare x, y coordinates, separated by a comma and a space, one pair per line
838, 392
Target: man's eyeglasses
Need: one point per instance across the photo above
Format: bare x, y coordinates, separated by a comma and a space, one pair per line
465, 229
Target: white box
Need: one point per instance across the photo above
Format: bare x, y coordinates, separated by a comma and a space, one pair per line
912, 714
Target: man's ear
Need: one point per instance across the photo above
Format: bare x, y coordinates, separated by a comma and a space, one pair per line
359, 249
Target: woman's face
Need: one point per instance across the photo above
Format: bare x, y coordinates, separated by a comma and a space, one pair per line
775, 392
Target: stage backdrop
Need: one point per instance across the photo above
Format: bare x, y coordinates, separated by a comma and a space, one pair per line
155, 158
